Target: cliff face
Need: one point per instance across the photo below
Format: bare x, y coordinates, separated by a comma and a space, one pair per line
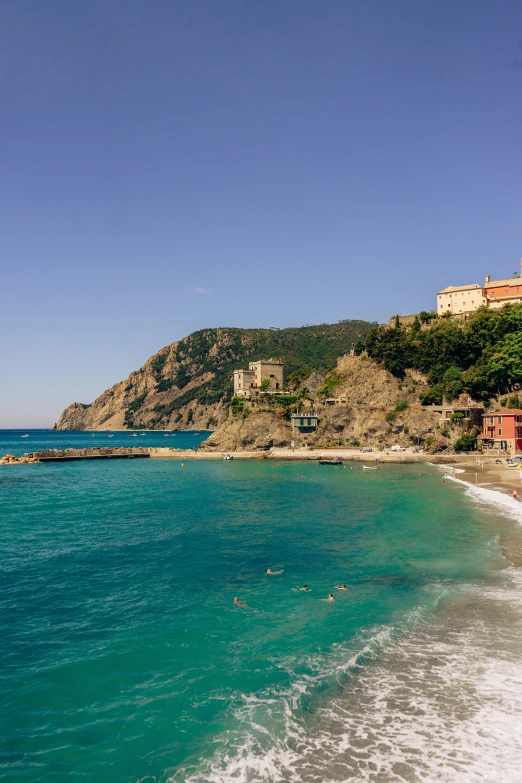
188, 384
376, 409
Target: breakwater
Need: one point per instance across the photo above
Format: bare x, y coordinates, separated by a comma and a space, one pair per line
285, 454
67, 455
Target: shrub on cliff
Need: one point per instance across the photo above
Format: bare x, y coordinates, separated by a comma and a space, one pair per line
467, 441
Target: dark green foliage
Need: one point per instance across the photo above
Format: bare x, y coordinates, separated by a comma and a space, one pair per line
264, 385
132, 408
237, 405
211, 422
328, 386
482, 356
164, 384
513, 401
354, 444
466, 442
285, 400
129, 387
433, 396
425, 317
457, 416
136, 404
295, 378
391, 416
402, 405
182, 376
190, 416
178, 418
158, 363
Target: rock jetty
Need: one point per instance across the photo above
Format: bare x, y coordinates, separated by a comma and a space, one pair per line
10, 459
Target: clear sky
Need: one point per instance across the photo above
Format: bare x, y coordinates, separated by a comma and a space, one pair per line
176, 164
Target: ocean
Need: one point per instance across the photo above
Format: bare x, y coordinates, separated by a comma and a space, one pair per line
125, 659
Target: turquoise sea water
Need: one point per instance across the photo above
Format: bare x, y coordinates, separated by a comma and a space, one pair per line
124, 658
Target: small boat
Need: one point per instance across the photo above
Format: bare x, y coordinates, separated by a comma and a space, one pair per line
142, 434
372, 467
330, 462
134, 435
228, 456
111, 436
25, 436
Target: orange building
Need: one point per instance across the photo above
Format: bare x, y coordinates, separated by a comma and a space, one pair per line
494, 294
502, 430
501, 292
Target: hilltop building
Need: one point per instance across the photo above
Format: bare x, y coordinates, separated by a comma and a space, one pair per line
494, 294
247, 383
502, 430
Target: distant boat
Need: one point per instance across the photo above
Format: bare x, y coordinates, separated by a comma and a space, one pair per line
330, 462
371, 467
25, 436
142, 434
111, 436
228, 456
134, 435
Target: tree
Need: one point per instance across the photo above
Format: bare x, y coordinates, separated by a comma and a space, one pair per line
466, 442
264, 385
433, 396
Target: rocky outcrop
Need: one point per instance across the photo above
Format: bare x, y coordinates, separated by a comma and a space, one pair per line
375, 409
188, 384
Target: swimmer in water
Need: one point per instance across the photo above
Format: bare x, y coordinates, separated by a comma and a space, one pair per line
304, 589
273, 573
242, 604
330, 597
341, 587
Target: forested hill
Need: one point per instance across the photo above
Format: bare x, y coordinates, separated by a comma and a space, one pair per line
482, 356
189, 382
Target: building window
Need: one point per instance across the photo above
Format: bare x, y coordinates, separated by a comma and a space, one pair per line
499, 432
491, 419
499, 419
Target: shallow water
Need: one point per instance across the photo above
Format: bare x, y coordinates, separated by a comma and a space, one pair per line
125, 659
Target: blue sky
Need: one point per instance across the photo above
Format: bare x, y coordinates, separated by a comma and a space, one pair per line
173, 165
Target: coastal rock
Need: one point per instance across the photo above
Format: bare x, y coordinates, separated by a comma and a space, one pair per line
367, 406
188, 384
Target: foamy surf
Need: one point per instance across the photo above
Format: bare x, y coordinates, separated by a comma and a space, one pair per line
441, 704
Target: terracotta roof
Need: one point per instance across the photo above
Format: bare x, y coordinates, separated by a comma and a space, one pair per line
508, 281
505, 412
451, 288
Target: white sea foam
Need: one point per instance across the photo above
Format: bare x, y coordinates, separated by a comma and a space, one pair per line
435, 700
439, 704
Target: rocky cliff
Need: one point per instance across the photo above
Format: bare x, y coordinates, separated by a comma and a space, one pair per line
366, 405
188, 384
